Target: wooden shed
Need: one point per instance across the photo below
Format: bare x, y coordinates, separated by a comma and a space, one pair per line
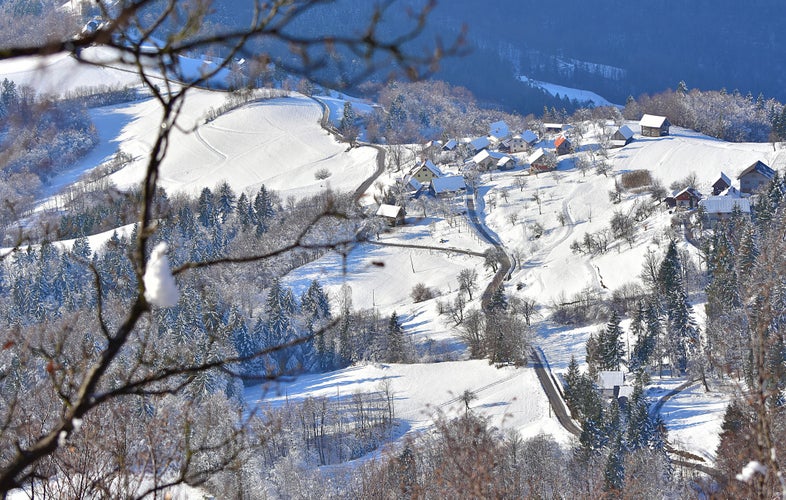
654, 126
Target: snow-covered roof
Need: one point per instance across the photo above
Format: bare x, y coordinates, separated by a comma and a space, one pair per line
652, 121
731, 192
725, 204
759, 167
610, 379
436, 142
505, 161
499, 129
626, 391
536, 155
488, 154
553, 126
529, 136
625, 132
450, 145
390, 211
689, 191
480, 143
448, 184
414, 184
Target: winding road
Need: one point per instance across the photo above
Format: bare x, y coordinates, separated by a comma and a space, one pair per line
538, 358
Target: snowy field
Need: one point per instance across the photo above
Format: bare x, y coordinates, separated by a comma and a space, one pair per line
276, 142
511, 397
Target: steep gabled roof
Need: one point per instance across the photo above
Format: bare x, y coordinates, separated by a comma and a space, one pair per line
759, 167
505, 160
429, 165
625, 132
723, 177
610, 379
450, 145
690, 191
560, 140
487, 154
653, 121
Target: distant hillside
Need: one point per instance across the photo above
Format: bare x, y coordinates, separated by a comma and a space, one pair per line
611, 47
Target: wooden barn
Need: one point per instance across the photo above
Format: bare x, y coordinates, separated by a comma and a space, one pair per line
622, 137
755, 176
654, 126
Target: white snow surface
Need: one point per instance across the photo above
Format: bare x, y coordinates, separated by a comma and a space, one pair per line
511, 397
276, 142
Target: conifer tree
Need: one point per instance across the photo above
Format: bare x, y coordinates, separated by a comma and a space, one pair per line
395, 340
610, 347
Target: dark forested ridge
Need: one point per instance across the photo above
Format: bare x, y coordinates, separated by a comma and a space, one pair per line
605, 46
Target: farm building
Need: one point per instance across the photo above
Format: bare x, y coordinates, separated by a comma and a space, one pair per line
489, 160
499, 129
541, 161
622, 137
449, 185
479, 144
392, 214
722, 184
562, 145
688, 198
654, 126
754, 177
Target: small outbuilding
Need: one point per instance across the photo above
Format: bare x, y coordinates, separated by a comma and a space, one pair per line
610, 382
392, 214
450, 145
721, 185
622, 137
562, 145
654, 126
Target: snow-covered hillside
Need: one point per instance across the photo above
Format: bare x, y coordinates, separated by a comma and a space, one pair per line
277, 142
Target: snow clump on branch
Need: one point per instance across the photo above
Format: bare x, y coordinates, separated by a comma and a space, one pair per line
160, 287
